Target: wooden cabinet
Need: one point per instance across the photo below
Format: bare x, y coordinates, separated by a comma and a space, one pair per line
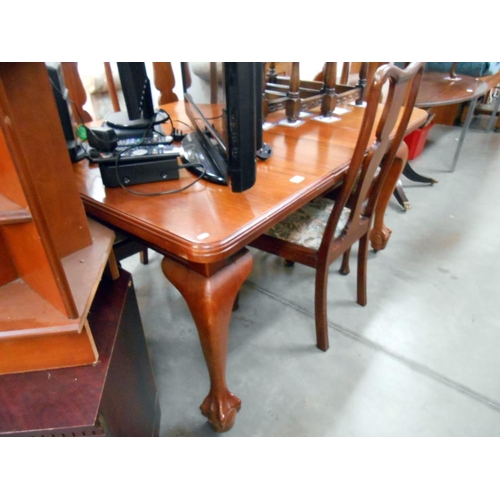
114, 397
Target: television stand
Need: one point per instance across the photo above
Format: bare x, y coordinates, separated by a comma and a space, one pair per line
202, 164
264, 152
125, 128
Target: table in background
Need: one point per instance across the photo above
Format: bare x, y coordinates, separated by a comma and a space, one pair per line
202, 231
115, 397
438, 89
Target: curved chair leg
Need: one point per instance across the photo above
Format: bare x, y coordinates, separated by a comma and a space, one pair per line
344, 267
380, 234
320, 313
362, 270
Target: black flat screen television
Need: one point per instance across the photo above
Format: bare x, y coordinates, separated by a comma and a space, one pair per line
224, 104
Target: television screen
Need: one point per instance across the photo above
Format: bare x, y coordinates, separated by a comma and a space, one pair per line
204, 83
224, 104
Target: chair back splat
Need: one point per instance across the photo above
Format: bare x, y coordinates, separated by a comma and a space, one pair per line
323, 230
360, 181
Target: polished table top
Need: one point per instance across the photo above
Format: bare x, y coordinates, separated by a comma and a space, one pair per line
207, 222
437, 89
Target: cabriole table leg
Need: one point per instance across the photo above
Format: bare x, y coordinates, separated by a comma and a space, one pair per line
210, 299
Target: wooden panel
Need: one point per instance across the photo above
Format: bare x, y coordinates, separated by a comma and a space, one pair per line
25, 313
46, 352
33, 264
84, 268
23, 242
129, 401
35, 138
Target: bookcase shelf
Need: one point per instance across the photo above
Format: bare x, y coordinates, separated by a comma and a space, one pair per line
12, 213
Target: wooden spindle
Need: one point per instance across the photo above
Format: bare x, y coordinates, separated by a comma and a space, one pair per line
344, 77
330, 98
164, 81
271, 74
111, 87
293, 95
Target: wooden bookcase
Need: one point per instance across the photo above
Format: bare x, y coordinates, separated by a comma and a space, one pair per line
51, 257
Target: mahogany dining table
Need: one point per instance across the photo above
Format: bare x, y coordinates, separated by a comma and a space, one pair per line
202, 232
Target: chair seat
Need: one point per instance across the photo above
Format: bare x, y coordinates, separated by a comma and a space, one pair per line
306, 226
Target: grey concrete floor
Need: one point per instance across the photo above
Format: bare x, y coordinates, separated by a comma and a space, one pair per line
421, 359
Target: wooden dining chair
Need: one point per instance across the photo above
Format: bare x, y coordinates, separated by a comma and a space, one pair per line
324, 229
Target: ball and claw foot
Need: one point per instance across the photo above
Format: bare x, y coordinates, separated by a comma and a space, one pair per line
221, 411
